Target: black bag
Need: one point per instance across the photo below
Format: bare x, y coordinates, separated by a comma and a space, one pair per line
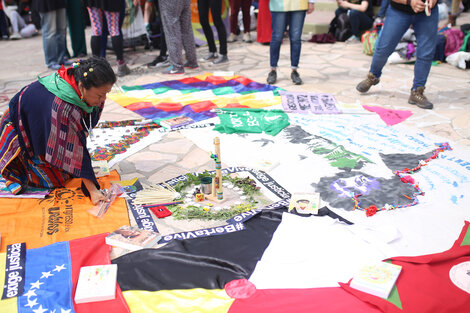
340, 27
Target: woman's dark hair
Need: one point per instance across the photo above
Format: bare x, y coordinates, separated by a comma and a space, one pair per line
93, 72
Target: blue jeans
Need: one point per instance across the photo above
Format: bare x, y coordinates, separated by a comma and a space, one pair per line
53, 27
396, 24
383, 8
296, 24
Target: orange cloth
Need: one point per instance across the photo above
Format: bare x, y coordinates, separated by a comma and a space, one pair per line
61, 216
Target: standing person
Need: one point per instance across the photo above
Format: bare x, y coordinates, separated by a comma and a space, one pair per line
291, 12
76, 27
46, 127
111, 10
400, 15
53, 28
235, 6
360, 14
263, 23
176, 18
162, 59
452, 19
215, 6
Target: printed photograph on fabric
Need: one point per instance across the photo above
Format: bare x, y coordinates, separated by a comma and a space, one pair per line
304, 203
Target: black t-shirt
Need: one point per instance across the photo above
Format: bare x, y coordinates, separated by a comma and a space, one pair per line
45, 6
370, 9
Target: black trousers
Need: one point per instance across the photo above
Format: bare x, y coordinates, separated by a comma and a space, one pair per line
216, 11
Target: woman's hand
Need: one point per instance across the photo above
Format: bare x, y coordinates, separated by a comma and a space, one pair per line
417, 6
97, 195
343, 4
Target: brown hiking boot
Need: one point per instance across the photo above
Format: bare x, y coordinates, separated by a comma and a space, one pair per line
417, 97
452, 19
365, 85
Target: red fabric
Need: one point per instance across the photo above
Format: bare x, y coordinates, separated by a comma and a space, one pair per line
202, 106
190, 80
424, 284
69, 79
139, 106
94, 251
263, 28
168, 106
216, 80
331, 300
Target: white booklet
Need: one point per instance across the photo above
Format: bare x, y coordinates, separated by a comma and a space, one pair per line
377, 279
96, 283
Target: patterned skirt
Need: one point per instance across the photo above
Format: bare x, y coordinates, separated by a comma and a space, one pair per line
18, 169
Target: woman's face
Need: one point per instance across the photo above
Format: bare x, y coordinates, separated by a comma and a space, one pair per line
95, 96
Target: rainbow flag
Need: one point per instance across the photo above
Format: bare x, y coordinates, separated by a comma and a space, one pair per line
196, 96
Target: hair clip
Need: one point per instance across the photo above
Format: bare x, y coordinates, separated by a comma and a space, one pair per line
85, 74
76, 64
90, 69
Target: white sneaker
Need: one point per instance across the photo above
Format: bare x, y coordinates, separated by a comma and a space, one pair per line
247, 37
232, 37
15, 36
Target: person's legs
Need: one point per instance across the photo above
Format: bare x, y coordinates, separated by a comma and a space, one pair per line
76, 27
359, 22
395, 26
3, 25
96, 21
60, 35
234, 9
170, 14
203, 9
216, 11
48, 29
112, 19
186, 27
425, 28
383, 8
296, 24
246, 4
278, 26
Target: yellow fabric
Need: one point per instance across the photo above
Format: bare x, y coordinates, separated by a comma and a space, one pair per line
7, 305
63, 216
178, 301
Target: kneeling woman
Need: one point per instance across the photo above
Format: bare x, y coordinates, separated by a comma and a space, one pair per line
44, 130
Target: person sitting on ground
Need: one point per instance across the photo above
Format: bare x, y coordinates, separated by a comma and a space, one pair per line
400, 15
47, 124
360, 14
20, 29
282, 13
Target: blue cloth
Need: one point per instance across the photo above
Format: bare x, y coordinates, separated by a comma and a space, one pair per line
396, 24
296, 23
53, 28
383, 8
48, 283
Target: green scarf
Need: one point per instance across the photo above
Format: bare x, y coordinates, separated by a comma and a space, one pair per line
59, 87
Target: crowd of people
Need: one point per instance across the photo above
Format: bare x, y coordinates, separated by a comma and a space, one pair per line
47, 122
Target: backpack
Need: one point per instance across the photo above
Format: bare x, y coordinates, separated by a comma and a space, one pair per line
340, 27
368, 41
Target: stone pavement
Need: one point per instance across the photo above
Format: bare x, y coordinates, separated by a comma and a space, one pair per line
329, 68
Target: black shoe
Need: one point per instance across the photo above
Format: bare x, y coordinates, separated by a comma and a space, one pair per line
296, 78
159, 61
272, 77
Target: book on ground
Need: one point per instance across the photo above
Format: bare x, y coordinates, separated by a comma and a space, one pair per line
132, 238
96, 283
377, 279
176, 121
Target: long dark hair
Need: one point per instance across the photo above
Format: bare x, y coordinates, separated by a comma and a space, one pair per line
93, 72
